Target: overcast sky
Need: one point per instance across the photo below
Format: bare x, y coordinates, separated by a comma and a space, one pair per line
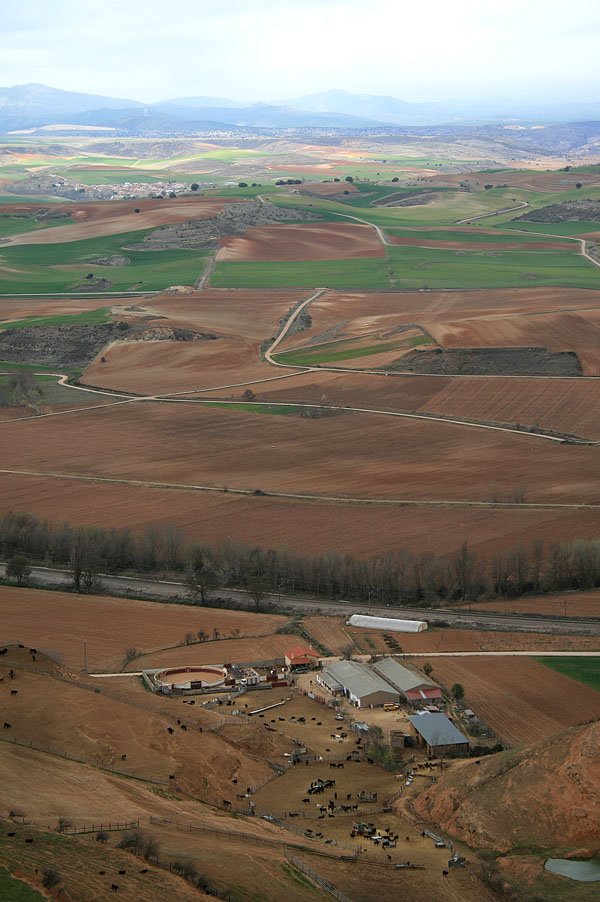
272, 49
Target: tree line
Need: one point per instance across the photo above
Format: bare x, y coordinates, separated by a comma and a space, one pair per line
398, 577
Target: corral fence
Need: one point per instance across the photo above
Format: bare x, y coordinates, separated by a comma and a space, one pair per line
324, 884
245, 836
321, 699
101, 828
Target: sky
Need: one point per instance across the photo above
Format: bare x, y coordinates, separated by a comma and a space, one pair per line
252, 50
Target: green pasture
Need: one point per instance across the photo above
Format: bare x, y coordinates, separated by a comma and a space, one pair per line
36, 268
366, 272
32, 199
407, 267
270, 409
9, 366
584, 670
87, 318
345, 349
17, 225
568, 229
14, 890
119, 176
469, 236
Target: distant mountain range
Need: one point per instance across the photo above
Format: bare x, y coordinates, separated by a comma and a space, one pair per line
35, 106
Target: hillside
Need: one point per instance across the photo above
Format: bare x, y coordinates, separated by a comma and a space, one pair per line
545, 795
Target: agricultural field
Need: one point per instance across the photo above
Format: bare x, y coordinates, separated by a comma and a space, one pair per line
60, 623
584, 670
522, 700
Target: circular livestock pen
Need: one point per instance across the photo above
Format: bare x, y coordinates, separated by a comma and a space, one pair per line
201, 677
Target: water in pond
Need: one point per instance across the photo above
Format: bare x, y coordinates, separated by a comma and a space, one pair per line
584, 871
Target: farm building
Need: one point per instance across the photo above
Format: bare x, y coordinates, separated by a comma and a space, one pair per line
301, 657
438, 735
415, 687
359, 683
387, 623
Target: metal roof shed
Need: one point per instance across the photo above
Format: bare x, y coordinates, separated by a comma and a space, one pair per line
361, 684
439, 734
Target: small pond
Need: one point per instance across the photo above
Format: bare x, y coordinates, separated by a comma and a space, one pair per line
584, 871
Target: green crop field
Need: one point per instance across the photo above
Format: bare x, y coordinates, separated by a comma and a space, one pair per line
14, 890
36, 268
568, 229
87, 318
366, 272
408, 267
584, 670
345, 349
18, 225
256, 407
9, 366
469, 236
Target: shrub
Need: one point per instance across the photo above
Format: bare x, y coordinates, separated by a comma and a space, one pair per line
50, 878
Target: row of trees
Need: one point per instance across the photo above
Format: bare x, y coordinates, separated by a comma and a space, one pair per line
396, 578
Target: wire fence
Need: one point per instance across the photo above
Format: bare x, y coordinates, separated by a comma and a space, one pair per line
100, 828
310, 872
344, 853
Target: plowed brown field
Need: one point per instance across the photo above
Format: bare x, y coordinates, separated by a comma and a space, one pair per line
574, 604
552, 182
261, 648
240, 320
447, 640
359, 455
356, 529
61, 622
328, 241
520, 699
96, 220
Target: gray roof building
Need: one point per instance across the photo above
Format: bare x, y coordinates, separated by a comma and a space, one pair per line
438, 732
360, 683
400, 676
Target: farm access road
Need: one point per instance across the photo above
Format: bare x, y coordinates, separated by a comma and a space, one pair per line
169, 590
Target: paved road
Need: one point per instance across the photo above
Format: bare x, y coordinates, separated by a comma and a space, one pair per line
166, 589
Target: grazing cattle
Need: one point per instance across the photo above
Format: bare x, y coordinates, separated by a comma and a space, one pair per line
445, 873
226, 803
234, 781
282, 718
200, 729
370, 761
144, 871
293, 813
349, 796
12, 833
183, 726
170, 730
478, 762
3, 651
33, 658
33, 651
14, 691
29, 840
306, 801
7, 726
114, 887
123, 757
171, 776
122, 872
21, 645
102, 873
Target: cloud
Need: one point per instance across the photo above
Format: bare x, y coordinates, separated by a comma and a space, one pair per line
257, 49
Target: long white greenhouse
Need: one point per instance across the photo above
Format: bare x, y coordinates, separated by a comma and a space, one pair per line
387, 623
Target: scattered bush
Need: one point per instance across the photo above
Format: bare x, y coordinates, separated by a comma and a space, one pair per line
50, 878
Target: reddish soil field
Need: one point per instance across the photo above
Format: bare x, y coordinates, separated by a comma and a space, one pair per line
95, 220
273, 522
574, 604
456, 319
261, 648
330, 241
240, 320
359, 455
568, 405
58, 621
445, 640
331, 632
520, 699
